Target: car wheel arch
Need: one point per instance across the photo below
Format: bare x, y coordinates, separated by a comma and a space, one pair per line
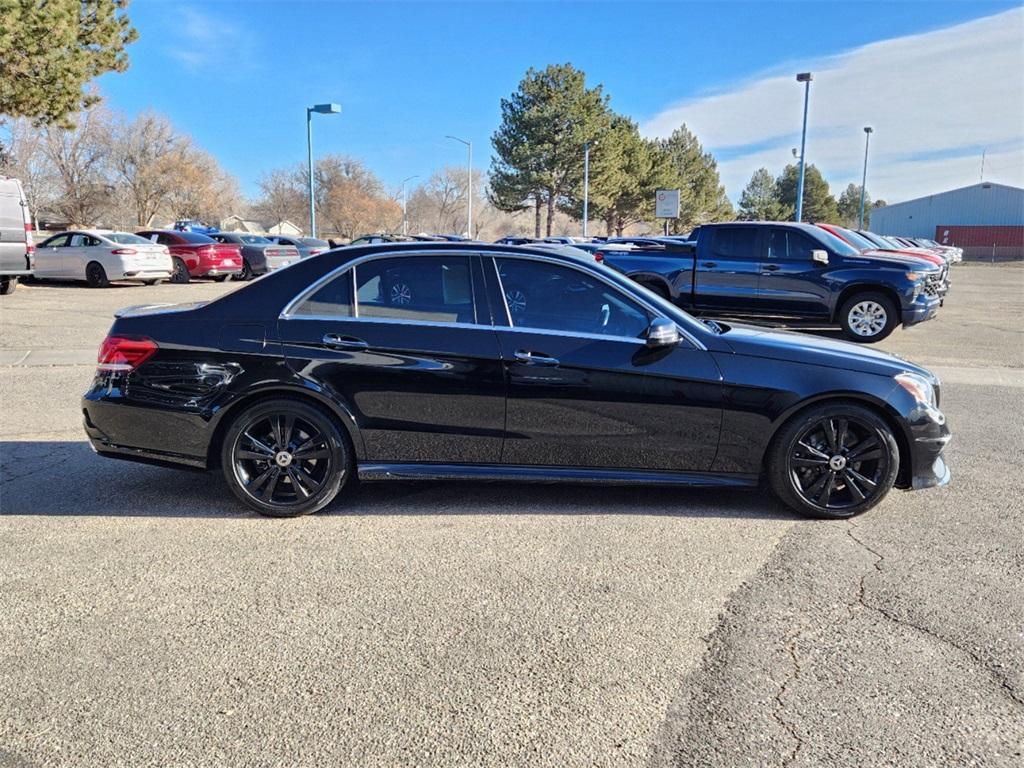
653, 281
339, 411
877, 406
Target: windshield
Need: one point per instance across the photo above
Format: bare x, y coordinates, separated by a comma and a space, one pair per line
877, 242
125, 238
856, 240
254, 240
836, 245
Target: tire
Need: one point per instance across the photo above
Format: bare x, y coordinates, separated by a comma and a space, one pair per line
261, 460
180, 274
96, 276
7, 285
246, 273
837, 475
868, 317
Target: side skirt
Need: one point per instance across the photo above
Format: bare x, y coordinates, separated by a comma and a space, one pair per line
498, 473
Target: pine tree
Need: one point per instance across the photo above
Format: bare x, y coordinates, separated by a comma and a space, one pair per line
819, 205
50, 50
694, 173
760, 199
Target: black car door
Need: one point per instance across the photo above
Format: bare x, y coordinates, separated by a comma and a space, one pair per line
579, 393
791, 282
406, 342
727, 269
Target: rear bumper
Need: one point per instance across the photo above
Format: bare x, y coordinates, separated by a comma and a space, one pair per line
216, 270
144, 274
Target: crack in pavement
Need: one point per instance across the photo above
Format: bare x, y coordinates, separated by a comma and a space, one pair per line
1001, 682
789, 727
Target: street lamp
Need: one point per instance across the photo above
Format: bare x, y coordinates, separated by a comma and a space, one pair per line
405, 220
864, 180
321, 109
469, 183
586, 183
805, 78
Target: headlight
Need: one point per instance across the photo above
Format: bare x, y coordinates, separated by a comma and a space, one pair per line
919, 387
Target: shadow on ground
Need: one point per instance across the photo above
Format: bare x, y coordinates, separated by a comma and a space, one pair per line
67, 478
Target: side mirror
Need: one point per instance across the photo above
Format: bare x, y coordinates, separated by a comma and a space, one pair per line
662, 332
819, 256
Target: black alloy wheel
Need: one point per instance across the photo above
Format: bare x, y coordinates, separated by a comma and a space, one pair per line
834, 461
96, 276
285, 458
180, 273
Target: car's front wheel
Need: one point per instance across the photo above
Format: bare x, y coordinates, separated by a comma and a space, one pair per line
833, 461
868, 317
285, 458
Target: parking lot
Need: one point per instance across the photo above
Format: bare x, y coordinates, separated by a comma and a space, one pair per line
149, 619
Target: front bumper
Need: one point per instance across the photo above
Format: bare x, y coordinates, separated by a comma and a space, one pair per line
929, 436
922, 308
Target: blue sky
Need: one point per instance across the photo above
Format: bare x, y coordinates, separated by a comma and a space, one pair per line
238, 77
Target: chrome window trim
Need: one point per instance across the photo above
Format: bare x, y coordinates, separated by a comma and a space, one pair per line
288, 313
580, 268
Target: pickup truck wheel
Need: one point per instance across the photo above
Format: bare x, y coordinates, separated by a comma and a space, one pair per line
96, 276
180, 273
7, 285
833, 461
658, 288
868, 317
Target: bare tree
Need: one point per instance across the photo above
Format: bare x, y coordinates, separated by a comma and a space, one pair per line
80, 159
201, 188
25, 159
142, 156
283, 197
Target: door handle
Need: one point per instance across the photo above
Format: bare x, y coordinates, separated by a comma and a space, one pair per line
709, 264
771, 268
337, 341
532, 358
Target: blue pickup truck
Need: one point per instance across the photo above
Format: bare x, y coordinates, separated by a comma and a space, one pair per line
787, 272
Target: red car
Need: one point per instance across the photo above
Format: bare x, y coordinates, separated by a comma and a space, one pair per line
197, 255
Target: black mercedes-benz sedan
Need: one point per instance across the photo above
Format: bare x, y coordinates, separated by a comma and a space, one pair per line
494, 362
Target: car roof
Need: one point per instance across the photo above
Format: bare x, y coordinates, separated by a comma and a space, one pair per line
468, 247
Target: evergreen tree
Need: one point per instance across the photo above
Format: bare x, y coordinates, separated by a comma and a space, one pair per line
539, 144
694, 173
849, 206
819, 205
760, 199
50, 50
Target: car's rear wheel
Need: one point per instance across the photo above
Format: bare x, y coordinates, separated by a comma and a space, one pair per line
95, 275
246, 273
180, 273
868, 317
285, 458
7, 285
833, 461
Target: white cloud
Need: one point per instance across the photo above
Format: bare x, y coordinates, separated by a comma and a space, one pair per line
935, 100
208, 42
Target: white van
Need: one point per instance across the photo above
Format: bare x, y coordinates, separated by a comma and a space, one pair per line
17, 254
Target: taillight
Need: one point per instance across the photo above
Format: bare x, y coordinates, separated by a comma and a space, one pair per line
124, 353
314, 251
598, 256
124, 251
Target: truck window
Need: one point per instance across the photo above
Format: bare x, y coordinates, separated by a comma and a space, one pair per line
783, 244
736, 243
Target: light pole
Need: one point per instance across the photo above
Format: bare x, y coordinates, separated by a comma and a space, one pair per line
469, 183
864, 180
586, 183
405, 219
322, 109
805, 78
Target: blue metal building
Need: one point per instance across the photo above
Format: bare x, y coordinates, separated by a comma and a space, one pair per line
985, 204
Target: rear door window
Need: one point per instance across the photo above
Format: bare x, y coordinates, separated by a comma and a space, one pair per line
332, 300
435, 289
735, 243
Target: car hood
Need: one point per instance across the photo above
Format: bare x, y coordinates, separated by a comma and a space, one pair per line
913, 261
754, 341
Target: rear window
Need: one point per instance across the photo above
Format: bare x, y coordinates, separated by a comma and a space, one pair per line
125, 238
194, 237
332, 300
254, 240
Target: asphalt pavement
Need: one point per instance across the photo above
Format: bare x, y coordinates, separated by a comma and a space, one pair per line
147, 619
